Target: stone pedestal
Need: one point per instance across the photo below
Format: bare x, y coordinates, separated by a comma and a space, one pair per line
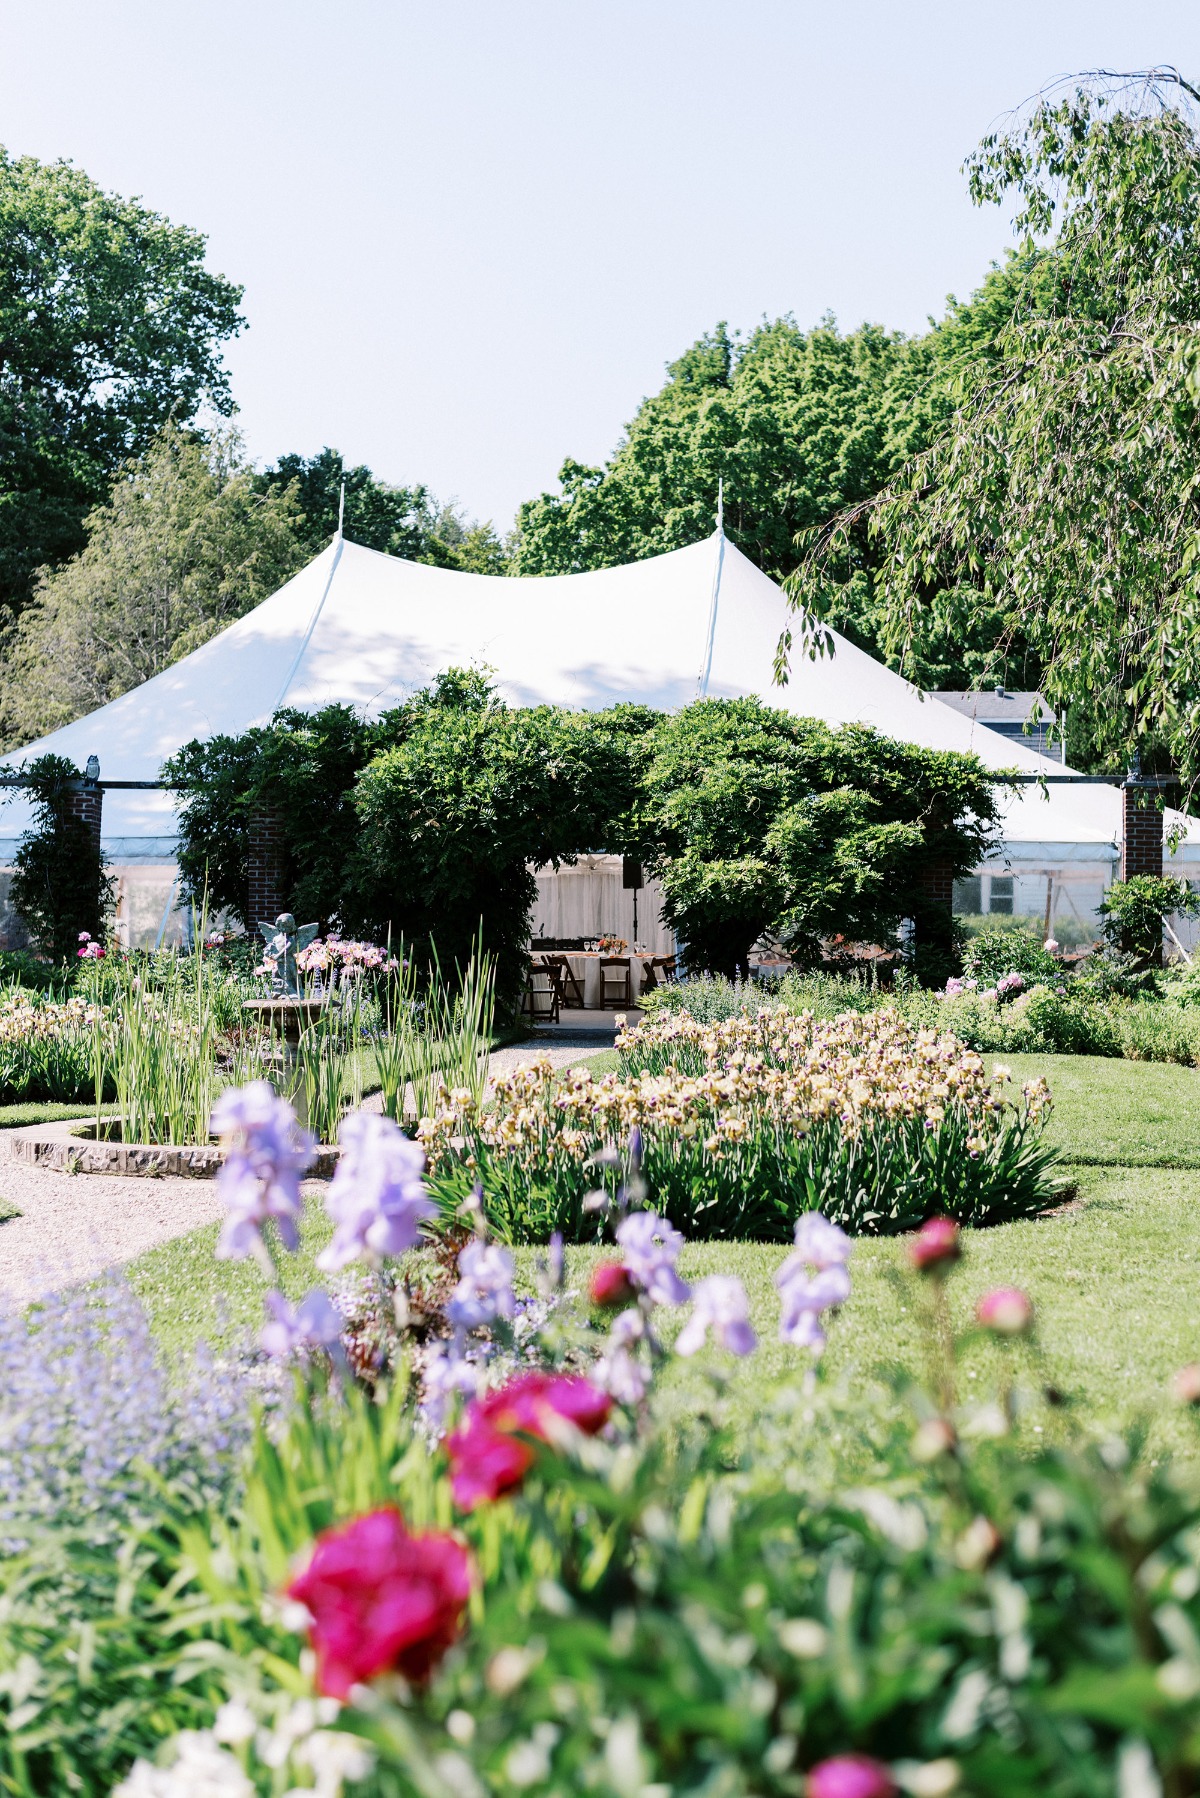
288, 1019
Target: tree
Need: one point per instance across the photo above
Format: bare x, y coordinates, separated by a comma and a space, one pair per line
60, 885
183, 546
1063, 492
470, 797
797, 424
398, 521
756, 821
110, 325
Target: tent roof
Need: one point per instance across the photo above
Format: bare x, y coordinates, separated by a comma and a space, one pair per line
369, 629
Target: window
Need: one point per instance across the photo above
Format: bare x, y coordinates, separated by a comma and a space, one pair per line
968, 897
1000, 896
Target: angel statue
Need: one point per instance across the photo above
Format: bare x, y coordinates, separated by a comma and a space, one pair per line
283, 941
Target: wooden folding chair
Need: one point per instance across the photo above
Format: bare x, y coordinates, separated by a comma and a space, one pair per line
615, 984
539, 1002
570, 993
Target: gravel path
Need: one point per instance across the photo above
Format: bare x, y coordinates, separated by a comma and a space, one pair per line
73, 1226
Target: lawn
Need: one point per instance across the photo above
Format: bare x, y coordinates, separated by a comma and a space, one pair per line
1114, 1275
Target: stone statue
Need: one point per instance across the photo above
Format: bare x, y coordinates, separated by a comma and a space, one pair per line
283, 941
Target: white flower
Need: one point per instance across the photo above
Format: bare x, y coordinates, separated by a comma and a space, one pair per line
202, 1769
335, 1756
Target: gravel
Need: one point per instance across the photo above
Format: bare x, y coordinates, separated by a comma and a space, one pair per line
73, 1226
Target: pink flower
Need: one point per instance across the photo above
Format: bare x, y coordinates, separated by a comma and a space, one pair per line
1007, 1311
936, 1244
488, 1456
381, 1599
850, 1776
1187, 1384
610, 1284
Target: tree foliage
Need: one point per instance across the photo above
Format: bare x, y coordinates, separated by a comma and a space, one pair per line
472, 795
183, 546
1062, 494
758, 821
397, 521
110, 325
60, 886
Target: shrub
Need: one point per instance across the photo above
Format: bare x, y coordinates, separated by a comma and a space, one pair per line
996, 952
1132, 913
59, 884
745, 1125
926, 1595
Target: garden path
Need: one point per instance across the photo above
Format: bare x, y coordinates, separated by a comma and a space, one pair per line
73, 1226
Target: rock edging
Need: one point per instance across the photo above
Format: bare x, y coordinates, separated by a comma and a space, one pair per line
56, 1147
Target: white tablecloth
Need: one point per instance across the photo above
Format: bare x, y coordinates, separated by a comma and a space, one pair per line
586, 968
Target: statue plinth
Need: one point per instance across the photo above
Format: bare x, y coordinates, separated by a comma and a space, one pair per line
291, 1017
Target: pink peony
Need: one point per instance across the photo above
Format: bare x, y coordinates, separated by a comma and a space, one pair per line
381, 1599
936, 1244
1007, 1311
488, 1456
610, 1284
850, 1776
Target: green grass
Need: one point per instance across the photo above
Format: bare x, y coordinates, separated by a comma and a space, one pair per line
7, 1210
1111, 1113
46, 1111
1114, 1276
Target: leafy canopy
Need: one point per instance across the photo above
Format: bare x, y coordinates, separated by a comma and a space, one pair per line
110, 325
1062, 493
397, 521
759, 822
60, 885
183, 546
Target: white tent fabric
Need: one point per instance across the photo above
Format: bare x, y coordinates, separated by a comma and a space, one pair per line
368, 630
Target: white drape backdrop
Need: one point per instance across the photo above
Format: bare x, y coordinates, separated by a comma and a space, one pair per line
589, 900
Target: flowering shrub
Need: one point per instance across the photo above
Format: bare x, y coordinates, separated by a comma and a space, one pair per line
46, 1047
960, 1609
746, 1123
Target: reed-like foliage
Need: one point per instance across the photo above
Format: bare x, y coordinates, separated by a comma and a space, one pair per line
435, 1038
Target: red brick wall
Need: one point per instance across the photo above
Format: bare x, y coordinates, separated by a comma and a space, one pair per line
939, 884
1142, 833
88, 806
265, 896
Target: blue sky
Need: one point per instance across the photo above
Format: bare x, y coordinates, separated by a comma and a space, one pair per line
472, 232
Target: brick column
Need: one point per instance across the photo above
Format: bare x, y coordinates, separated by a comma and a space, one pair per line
265, 898
1141, 832
87, 804
938, 883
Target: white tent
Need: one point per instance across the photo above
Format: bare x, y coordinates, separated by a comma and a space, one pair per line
368, 630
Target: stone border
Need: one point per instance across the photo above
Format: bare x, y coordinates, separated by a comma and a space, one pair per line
58, 1148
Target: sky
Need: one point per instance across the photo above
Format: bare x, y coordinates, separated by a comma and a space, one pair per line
473, 232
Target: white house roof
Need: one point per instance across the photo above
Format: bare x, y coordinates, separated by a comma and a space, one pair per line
369, 629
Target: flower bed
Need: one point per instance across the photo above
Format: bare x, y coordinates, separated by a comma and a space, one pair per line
743, 1125
46, 1048
559, 1588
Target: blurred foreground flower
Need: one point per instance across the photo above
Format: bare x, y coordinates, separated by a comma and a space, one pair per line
936, 1244
813, 1279
487, 1455
851, 1776
485, 1287
377, 1199
721, 1306
381, 1599
651, 1248
260, 1176
315, 1323
610, 1284
1007, 1311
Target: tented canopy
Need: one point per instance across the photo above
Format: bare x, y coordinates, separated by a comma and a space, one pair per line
368, 630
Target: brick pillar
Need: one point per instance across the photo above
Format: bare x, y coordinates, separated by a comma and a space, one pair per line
938, 884
1142, 831
265, 898
87, 804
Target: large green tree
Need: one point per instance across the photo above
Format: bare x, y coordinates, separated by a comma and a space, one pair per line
759, 822
1061, 496
110, 325
398, 521
796, 423
183, 546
